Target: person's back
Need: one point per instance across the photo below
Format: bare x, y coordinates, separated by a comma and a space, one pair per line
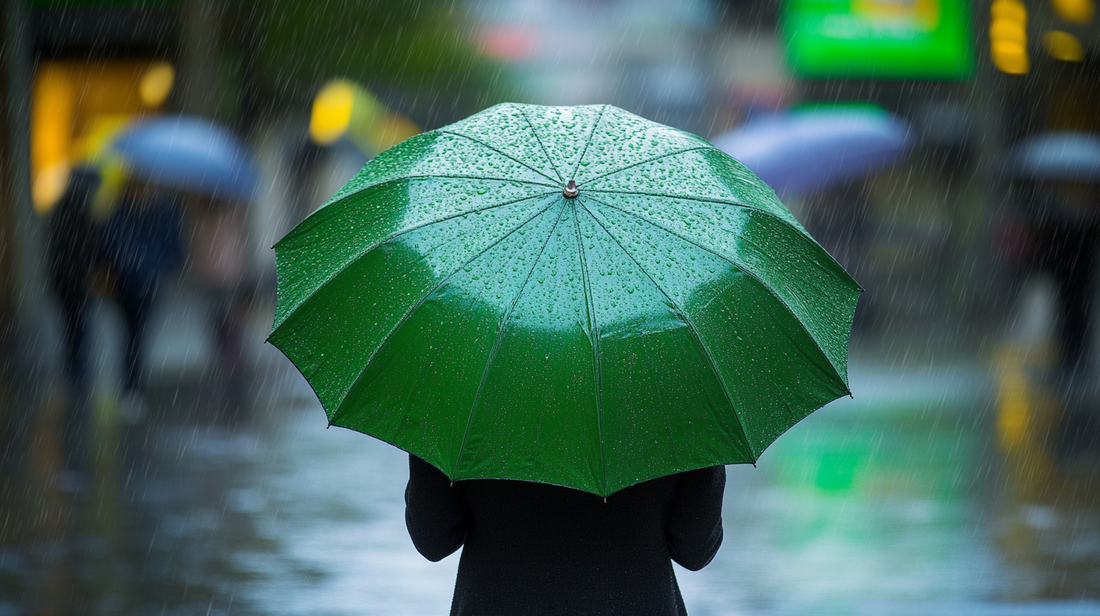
539, 549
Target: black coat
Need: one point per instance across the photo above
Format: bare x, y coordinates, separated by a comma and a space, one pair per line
533, 548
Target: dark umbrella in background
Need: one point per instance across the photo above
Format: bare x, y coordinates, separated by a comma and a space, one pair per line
190, 154
800, 151
1057, 175
1063, 155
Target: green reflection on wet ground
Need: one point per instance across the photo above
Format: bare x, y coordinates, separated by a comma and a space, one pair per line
934, 491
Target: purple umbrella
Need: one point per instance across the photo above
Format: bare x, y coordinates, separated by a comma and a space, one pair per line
801, 151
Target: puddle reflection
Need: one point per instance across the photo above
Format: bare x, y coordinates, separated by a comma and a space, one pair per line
935, 493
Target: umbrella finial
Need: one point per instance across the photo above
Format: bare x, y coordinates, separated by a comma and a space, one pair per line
571, 190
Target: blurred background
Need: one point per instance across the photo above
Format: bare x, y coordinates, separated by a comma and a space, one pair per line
157, 457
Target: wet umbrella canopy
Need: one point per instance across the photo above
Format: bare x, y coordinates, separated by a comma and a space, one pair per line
570, 295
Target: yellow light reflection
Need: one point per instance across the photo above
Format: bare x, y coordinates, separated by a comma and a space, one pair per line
331, 112
1008, 30
1075, 11
1012, 10
1008, 37
51, 130
1026, 416
48, 186
1063, 46
91, 149
156, 84
1010, 57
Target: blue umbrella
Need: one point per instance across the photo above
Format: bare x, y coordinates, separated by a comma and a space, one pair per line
803, 150
189, 154
1068, 156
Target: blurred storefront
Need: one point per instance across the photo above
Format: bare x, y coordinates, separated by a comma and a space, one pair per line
970, 79
915, 225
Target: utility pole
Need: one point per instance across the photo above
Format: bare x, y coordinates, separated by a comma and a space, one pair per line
22, 248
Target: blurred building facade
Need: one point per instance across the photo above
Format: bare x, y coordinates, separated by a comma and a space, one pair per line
936, 250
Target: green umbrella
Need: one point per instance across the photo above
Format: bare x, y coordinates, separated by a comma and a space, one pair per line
569, 295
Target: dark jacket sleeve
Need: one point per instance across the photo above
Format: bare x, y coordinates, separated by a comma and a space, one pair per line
694, 527
436, 512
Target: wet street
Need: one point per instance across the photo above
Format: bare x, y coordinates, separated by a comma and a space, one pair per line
937, 490
676, 205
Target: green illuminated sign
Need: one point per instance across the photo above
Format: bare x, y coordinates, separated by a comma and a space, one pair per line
886, 39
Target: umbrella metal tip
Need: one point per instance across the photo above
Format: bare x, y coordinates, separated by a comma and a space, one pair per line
571, 190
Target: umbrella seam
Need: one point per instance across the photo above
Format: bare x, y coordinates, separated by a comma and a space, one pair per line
420, 302
805, 237
644, 162
399, 178
541, 144
500, 337
405, 178
748, 272
590, 305
388, 239
501, 152
444, 177
591, 136
691, 327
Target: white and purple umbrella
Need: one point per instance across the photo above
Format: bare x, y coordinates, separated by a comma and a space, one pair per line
799, 151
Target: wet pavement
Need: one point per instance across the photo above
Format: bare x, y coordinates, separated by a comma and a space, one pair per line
964, 487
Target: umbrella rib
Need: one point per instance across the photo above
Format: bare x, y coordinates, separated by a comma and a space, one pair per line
379, 185
498, 151
691, 327
647, 161
590, 306
433, 176
740, 267
500, 337
541, 144
393, 236
801, 233
591, 135
420, 302
427, 176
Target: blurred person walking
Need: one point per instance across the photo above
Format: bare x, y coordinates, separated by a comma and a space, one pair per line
141, 242
217, 260
1067, 230
72, 248
1058, 175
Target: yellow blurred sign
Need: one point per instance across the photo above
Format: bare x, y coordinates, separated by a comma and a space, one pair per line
75, 105
344, 109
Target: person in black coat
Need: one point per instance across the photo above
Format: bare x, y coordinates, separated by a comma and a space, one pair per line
72, 248
142, 240
532, 548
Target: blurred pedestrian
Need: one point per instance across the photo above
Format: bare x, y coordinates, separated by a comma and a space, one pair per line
1067, 231
218, 263
72, 247
141, 242
533, 548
